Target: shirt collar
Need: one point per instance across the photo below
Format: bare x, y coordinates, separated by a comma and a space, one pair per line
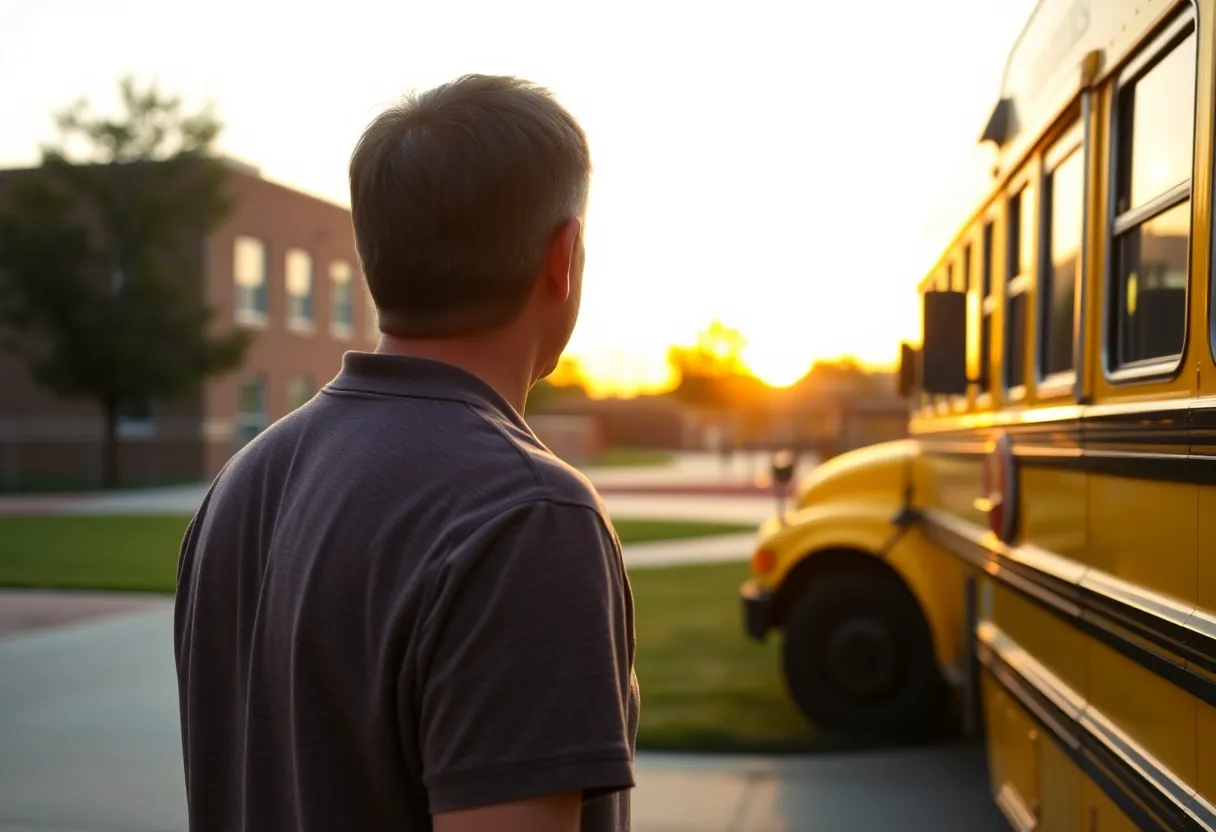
419, 378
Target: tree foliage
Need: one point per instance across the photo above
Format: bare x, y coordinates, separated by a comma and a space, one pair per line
712, 372
565, 384
101, 268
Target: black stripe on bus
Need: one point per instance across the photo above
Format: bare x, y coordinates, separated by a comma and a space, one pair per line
1175, 445
1152, 641
1140, 795
1158, 466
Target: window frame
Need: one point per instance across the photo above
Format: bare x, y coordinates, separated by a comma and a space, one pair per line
1016, 283
958, 273
1172, 35
133, 424
250, 317
294, 323
941, 404
307, 381
988, 306
1068, 143
968, 282
341, 329
241, 417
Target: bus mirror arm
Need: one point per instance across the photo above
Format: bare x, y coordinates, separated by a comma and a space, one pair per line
905, 517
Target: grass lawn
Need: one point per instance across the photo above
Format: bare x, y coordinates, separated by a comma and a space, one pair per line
705, 685
650, 531
139, 553
128, 553
631, 458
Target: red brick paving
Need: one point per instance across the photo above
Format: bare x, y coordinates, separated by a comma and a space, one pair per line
26, 610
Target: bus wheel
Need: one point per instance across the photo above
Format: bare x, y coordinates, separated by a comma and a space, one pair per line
858, 657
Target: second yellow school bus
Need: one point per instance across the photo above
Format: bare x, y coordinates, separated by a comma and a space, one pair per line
1050, 527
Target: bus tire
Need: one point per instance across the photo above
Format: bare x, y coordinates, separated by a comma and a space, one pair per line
858, 657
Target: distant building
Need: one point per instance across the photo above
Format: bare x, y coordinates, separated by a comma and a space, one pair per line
826, 422
282, 264
642, 422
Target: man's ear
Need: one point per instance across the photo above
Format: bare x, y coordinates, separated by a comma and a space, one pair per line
560, 257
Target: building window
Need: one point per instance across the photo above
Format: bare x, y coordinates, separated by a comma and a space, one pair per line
1021, 261
299, 289
135, 420
1152, 226
342, 300
987, 308
300, 390
1060, 272
249, 275
373, 319
251, 416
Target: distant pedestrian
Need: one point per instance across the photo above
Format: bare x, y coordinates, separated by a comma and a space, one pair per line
396, 609
726, 447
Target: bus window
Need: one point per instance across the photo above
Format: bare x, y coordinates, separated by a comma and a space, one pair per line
1021, 258
987, 307
965, 284
1152, 226
974, 299
1065, 203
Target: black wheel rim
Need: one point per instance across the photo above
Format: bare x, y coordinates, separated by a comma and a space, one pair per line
861, 657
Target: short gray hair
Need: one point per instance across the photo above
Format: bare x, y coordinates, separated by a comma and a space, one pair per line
456, 193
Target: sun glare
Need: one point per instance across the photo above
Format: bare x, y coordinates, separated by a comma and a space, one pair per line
775, 365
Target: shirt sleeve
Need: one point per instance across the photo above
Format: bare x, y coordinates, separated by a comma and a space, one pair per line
529, 683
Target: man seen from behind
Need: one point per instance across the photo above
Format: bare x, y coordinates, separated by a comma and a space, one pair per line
396, 609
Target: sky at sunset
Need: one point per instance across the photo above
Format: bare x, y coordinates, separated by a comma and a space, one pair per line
789, 168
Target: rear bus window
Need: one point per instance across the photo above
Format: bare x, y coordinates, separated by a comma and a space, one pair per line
1152, 224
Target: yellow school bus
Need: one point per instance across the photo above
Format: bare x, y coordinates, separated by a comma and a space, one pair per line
1048, 532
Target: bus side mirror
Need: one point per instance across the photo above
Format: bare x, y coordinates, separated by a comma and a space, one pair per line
943, 355
906, 379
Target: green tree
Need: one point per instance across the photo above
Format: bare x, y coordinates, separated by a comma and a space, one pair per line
565, 384
101, 288
712, 372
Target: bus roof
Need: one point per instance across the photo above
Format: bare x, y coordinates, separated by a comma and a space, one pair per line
1044, 71
1064, 45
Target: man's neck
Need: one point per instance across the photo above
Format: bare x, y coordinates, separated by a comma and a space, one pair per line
491, 360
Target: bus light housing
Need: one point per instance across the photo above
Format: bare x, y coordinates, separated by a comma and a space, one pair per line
763, 561
998, 484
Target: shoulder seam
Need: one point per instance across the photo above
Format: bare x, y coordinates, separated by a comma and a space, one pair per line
536, 477
552, 500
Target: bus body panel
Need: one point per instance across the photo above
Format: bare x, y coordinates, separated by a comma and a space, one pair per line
1101, 593
851, 504
1074, 484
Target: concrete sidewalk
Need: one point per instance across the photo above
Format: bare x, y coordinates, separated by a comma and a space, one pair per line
187, 499
940, 789
700, 467
690, 480
717, 549
89, 742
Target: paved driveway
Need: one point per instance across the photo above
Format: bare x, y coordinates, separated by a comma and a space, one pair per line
89, 743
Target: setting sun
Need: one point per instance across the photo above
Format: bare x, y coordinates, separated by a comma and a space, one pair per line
776, 365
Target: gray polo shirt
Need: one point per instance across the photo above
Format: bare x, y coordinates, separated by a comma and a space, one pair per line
394, 602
